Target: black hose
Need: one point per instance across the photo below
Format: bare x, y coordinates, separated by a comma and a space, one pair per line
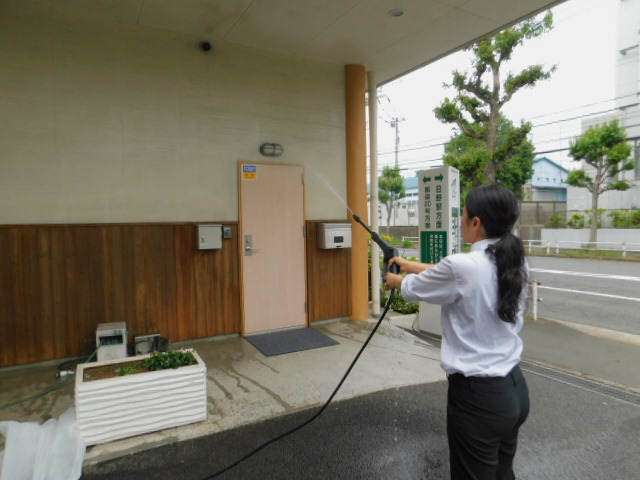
323, 408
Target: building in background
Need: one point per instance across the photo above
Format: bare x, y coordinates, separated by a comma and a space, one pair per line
627, 110
405, 212
547, 182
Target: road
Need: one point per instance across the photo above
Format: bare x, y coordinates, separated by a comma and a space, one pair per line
603, 294
588, 319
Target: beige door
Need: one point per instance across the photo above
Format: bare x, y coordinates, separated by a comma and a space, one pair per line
273, 246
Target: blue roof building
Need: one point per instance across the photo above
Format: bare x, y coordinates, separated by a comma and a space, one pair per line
548, 182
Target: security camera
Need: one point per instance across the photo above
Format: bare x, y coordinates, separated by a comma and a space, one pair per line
205, 47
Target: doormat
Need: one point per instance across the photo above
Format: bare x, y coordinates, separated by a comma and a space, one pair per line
288, 341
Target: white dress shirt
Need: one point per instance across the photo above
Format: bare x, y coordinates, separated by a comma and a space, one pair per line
475, 341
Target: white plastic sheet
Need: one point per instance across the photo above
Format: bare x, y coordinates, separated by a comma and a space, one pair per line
51, 451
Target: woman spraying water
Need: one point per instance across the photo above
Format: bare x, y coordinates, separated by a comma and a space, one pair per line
483, 297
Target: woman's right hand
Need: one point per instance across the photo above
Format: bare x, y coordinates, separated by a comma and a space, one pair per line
409, 266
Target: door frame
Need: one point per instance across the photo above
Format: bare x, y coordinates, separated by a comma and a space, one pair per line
241, 237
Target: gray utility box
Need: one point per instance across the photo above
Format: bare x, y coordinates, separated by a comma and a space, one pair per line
209, 237
111, 340
334, 235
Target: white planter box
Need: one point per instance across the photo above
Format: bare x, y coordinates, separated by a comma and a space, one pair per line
120, 407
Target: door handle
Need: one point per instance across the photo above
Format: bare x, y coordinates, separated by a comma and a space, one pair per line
248, 246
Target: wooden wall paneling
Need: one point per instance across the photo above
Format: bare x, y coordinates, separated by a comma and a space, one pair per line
83, 288
170, 305
18, 298
155, 275
119, 280
31, 332
138, 322
58, 282
164, 276
108, 282
45, 291
215, 298
200, 295
312, 268
59, 298
130, 289
185, 287
329, 277
8, 287
229, 281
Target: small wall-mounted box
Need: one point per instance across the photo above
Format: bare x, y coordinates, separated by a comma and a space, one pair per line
209, 237
111, 340
334, 235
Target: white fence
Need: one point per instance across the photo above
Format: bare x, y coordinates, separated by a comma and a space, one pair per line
558, 245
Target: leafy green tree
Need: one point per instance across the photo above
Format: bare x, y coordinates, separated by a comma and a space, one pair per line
466, 153
481, 95
390, 189
605, 149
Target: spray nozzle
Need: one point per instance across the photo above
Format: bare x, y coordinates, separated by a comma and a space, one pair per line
388, 251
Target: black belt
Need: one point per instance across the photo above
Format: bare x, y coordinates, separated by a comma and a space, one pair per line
459, 378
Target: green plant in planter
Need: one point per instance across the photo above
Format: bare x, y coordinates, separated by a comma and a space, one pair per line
399, 304
171, 359
127, 370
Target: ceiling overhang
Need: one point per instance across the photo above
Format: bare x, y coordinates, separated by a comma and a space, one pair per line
333, 31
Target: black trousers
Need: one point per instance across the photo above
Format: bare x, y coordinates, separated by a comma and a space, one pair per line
484, 415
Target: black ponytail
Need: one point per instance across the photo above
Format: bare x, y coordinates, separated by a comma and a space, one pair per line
498, 209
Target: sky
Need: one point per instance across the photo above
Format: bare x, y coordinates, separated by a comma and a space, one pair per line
582, 44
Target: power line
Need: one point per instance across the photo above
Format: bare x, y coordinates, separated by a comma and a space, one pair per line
434, 145
406, 165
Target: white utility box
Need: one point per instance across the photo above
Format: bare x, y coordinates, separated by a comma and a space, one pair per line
111, 340
334, 235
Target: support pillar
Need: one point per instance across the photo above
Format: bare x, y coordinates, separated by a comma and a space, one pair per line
356, 141
373, 190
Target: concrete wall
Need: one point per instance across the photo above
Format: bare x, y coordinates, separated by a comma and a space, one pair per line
615, 235
109, 122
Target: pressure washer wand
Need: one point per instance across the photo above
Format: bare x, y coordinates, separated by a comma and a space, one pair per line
388, 251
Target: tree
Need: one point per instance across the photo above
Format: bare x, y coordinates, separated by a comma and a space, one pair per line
604, 148
476, 109
390, 189
466, 154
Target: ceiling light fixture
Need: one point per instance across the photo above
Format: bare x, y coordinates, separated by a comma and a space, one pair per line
396, 12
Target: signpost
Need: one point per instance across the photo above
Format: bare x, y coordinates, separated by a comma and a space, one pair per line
439, 228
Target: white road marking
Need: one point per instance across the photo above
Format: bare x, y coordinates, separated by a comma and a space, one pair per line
590, 293
586, 274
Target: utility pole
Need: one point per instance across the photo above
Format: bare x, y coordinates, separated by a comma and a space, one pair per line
395, 124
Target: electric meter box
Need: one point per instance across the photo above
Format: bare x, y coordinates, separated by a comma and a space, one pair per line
334, 235
111, 340
209, 237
